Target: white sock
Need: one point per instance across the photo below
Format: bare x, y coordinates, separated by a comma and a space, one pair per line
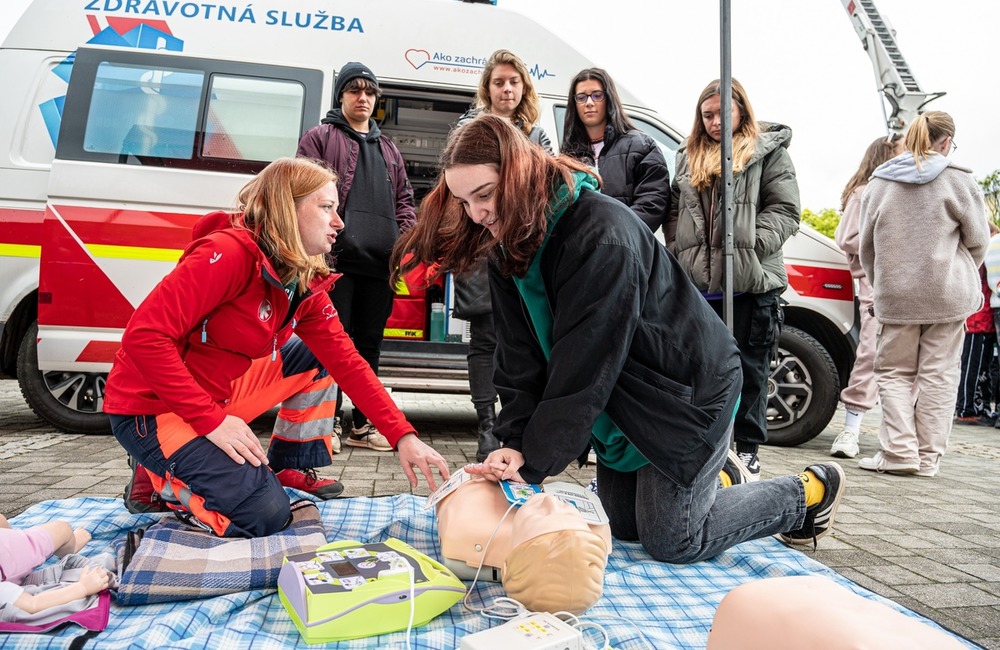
853, 420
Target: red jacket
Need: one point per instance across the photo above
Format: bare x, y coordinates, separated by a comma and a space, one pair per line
218, 310
981, 322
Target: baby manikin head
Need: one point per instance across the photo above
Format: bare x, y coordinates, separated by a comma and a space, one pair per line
556, 563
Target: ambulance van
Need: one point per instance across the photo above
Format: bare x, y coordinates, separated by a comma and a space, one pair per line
123, 121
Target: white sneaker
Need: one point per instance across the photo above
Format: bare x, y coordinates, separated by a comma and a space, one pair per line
338, 430
879, 463
845, 445
368, 437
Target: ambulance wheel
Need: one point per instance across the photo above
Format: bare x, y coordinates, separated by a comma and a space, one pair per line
70, 400
802, 390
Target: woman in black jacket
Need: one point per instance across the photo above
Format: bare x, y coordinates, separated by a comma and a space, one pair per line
598, 132
602, 340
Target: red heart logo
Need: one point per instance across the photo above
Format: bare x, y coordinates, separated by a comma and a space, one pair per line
417, 58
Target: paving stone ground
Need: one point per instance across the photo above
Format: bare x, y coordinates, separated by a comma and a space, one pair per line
932, 545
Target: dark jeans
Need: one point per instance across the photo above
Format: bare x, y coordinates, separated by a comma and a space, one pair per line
364, 305
482, 345
679, 524
757, 319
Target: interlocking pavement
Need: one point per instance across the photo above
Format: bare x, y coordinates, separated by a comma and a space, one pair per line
930, 544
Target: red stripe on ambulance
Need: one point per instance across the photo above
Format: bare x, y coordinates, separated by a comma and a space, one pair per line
22, 227
821, 282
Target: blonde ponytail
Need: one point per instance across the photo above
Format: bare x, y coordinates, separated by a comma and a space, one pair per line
925, 130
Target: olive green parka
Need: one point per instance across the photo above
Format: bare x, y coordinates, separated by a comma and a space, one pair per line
766, 213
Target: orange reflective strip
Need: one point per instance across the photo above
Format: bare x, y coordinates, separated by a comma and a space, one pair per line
218, 522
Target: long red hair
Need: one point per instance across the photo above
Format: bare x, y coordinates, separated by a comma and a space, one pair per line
443, 233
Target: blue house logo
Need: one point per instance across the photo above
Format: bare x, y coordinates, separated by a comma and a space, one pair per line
120, 32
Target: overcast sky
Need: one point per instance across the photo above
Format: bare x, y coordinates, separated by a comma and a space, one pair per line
800, 62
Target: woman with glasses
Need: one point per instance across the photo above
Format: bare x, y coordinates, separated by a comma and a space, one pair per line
598, 132
766, 213
602, 341
923, 236
505, 90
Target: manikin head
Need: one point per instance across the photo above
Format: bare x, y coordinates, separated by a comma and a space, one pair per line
557, 562
470, 515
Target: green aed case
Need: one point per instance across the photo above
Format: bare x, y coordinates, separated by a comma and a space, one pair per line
349, 590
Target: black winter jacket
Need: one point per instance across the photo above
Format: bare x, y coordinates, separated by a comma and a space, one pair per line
634, 171
630, 336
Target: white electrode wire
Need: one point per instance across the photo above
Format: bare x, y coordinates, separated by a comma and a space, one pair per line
482, 560
580, 625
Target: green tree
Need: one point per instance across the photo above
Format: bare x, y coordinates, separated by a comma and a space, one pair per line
824, 221
991, 190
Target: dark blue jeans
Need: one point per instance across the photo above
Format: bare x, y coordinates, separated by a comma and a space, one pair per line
680, 524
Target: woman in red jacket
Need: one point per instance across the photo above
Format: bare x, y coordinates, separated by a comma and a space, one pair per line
212, 347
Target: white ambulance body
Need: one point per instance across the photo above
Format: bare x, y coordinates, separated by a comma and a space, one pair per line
126, 120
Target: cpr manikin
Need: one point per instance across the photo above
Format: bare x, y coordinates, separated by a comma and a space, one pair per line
550, 558
811, 612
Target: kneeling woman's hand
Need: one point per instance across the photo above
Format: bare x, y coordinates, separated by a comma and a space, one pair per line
414, 452
501, 465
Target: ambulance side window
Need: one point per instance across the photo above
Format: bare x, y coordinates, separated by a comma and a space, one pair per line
136, 107
143, 112
252, 119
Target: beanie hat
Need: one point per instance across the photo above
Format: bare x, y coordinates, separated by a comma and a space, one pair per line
351, 70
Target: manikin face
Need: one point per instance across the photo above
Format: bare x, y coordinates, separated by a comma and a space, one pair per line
591, 113
319, 222
506, 89
711, 117
545, 513
475, 187
357, 106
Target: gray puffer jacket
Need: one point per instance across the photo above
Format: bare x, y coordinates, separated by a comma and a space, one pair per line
766, 214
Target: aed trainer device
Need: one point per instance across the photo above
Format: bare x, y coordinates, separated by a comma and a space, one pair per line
349, 590
541, 631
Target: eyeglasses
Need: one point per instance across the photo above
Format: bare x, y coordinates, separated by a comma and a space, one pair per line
597, 96
954, 147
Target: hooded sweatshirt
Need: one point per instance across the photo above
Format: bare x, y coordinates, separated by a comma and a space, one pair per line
376, 204
923, 237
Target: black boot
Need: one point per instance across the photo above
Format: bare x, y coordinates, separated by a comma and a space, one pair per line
487, 441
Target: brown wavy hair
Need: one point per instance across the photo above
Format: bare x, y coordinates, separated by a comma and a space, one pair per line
528, 110
705, 154
268, 203
879, 151
446, 236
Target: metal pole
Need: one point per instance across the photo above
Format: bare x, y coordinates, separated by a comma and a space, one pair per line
726, 189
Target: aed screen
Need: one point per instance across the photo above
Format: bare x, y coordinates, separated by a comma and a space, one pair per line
344, 568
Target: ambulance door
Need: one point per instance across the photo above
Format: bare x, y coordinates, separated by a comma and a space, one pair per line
148, 143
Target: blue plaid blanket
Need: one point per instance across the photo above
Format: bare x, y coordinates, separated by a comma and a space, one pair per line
672, 605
